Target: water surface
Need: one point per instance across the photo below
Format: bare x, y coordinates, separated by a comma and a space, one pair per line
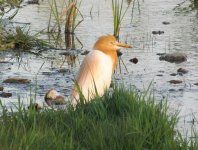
141, 19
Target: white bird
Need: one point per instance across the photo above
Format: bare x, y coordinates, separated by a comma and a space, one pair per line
94, 76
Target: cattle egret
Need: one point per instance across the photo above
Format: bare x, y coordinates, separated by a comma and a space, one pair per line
94, 76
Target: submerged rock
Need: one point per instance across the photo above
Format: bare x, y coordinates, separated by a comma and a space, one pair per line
160, 54
173, 74
165, 22
17, 80
33, 2
175, 81
176, 57
63, 70
1, 88
46, 73
196, 84
5, 95
171, 90
158, 32
159, 75
134, 60
182, 71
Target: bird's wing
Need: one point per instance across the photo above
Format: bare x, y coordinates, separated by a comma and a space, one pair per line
94, 75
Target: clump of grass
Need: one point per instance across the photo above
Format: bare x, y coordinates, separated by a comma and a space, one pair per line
19, 39
122, 119
118, 15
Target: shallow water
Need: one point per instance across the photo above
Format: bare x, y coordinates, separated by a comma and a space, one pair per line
141, 19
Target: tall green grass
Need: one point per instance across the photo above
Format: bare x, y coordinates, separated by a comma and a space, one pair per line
55, 13
122, 119
66, 13
118, 15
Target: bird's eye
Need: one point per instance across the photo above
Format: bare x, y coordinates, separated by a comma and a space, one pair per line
112, 43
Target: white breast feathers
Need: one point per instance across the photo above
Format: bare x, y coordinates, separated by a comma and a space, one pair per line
94, 76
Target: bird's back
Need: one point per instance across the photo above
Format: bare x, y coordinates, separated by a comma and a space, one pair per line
94, 74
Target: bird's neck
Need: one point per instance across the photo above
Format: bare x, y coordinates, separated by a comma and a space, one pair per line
112, 54
114, 58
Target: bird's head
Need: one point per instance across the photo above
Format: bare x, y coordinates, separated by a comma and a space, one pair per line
52, 97
109, 43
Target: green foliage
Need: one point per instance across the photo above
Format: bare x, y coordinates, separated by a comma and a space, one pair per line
19, 39
66, 14
118, 14
123, 119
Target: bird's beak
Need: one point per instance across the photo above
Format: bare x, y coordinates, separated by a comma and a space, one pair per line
122, 45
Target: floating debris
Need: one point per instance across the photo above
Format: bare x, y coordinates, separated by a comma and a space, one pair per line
160, 54
62, 70
159, 75
158, 32
196, 84
171, 90
33, 2
1, 88
175, 81
176, 57
5, 95
165, 22
5, 62
17, 80
173, 74
182, 71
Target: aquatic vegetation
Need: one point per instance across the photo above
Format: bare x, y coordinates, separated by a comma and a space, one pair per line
12, 37
56, 14
19, 39
123, 119
6, 6
186, 6
118, 15
67, 15
71, 16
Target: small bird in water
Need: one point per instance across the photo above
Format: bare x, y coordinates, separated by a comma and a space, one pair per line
52, 97
94, 76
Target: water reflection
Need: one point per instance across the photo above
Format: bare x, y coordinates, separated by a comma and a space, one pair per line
196, 4
55, 39
69, 41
